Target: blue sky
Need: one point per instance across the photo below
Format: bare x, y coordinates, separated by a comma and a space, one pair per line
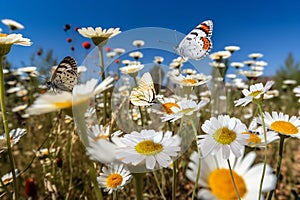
268, 27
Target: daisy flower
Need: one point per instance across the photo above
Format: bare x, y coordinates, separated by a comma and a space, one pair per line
184, 107
158, 59
6, 41
149, 147
98, 132
50, 102
8, 178
216, 182
255, 93
189, 80
289, 82
296, 90
131, 68
138, 43
232, 49
99, 148
119, 51
12, 24
250, 74
19, 108
282, 123
217, 64
136, 55
261, 63
189, 71
114, 177
28, 69
15, 136
256, 135
254, 56
223, 133
98, 35
220, 55
237, 65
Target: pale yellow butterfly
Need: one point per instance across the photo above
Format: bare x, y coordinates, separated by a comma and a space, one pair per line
144, 94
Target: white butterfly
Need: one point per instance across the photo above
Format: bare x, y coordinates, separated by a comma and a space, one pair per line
65, 75
144, 94
197, 44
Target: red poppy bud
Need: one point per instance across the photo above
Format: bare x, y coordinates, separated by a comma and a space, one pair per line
67, 27
59, 162
86, 45
117, 61
30, 188
69, 40
107, 49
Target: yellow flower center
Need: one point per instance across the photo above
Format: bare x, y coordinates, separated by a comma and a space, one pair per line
66, 104
148, 147
253, 138
284, 127
168, 106
189, 81
255, 93
224, 135
3, 35
114, 180
221, 185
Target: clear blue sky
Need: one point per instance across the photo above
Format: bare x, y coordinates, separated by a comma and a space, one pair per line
270, 27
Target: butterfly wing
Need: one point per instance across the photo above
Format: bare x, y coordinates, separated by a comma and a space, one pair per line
197, 44
144, 94
65, 75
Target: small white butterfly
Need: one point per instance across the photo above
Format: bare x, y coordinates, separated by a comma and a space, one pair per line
65, 75
144, 94
197, 44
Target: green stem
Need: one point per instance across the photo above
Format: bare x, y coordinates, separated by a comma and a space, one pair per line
93, 176
232, 178
103, 77
199, 161
138, 177
174, 182
265, 151
158, 185
280, 152
5, 124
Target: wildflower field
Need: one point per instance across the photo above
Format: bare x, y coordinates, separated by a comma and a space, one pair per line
137, 119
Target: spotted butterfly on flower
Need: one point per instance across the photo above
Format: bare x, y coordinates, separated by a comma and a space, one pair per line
65, 76
144, 94
197, 44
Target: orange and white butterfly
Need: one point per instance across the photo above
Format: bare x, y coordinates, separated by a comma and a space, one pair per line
144, 94
197, 44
